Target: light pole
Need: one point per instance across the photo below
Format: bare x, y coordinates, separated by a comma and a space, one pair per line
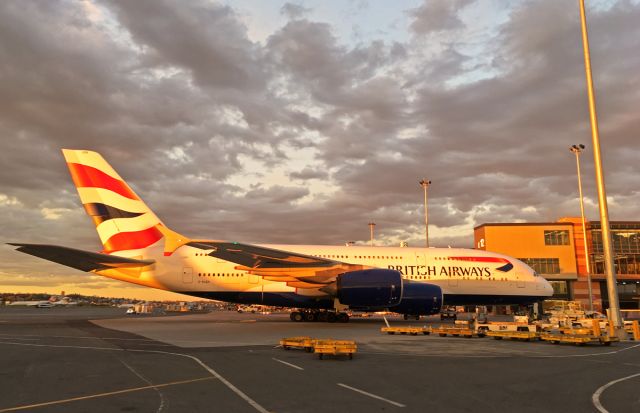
577, 150
610, 271
371, 225
425, 185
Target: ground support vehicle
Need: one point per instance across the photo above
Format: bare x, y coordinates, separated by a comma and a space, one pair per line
634, 331
483, 329
514, 335
334, 347
449, 313
414, 331
302, 342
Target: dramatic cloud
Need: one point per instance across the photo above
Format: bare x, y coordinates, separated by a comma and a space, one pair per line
312, 129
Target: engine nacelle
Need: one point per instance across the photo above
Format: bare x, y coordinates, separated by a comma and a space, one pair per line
375, 288
419, 299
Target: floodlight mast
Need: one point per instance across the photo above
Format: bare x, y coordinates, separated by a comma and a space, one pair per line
577, 150
425, 185
610, 271
371, 226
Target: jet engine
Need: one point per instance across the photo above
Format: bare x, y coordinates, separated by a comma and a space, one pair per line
375, 288
379, 289
419, 299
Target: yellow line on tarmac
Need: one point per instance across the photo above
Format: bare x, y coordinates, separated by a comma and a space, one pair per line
93, 396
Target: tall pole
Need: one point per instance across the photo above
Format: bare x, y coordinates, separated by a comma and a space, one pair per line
612, 289
577, 149
425, 185
371, 225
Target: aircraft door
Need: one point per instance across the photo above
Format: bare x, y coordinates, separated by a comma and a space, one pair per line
421, 266
519, 279
187, 275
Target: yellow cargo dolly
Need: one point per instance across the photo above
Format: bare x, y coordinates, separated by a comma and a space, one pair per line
303, 342
443, 331
579, 336
414, 331
334, 347
515, 335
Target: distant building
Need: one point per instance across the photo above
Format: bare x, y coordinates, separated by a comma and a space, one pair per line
556, 251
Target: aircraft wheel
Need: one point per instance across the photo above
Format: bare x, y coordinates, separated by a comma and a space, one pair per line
309, 316
331, 317
296, 316
322, 316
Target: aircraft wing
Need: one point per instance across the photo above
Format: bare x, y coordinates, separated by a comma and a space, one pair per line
297, 270
79, 259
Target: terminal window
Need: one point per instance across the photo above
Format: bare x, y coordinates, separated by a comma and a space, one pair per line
556, 237
543, 265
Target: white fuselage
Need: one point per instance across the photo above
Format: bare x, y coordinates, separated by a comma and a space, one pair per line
192, 271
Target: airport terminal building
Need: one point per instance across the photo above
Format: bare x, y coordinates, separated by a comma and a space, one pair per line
556, 251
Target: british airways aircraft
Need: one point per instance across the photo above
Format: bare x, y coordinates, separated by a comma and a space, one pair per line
321, 282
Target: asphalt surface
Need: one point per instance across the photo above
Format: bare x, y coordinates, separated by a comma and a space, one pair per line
57, 360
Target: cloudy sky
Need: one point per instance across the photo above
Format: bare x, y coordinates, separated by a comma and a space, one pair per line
300, 122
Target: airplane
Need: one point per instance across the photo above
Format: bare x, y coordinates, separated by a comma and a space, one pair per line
320, 282
41, 304
51, 302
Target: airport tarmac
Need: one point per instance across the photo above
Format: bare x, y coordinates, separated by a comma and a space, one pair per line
97, 359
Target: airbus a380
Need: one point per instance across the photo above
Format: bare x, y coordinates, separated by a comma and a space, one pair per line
320, 281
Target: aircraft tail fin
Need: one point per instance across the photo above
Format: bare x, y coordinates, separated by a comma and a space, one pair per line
122, 219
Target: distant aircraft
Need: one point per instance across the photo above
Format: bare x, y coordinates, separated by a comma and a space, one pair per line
321, 282
52, 301
41, 303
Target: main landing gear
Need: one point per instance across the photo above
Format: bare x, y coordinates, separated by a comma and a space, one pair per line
314, 315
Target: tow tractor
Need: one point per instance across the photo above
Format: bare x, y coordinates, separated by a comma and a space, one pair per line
520, 323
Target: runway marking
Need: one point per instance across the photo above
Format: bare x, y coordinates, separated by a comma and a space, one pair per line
590, 354
233, 388
20, 338
146, 380
371, 395
63, 346
596, 396
498, 355
288, 364
111, 393
79, 337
